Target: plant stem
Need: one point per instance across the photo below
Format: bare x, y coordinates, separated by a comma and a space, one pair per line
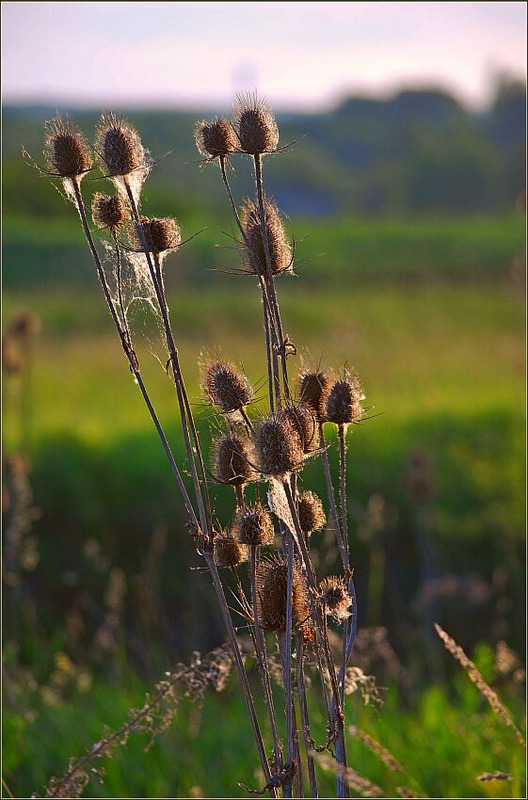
128, 350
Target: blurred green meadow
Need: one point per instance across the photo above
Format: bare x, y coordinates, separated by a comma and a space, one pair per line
102, 591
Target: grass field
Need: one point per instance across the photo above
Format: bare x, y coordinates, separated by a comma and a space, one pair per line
431, 315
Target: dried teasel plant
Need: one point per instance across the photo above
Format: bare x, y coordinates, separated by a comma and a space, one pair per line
265, 548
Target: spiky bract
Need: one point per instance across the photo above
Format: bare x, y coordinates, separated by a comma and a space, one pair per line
161, 235
119, 146
215, 138
313, 391
253, 525
279, 249
272, 588
224, 386
343, 404
66, 150
256, 126
279, 446
311, 513
233, 457
109, 211
227, 552
336, 598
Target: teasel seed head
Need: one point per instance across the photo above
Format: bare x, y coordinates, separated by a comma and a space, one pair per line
256, 126
161, 235
272, 587
279, 248
303, 421
119, 146
227, 552
233, 460
336, 598
253, 525
343, 404
224, 386
311, 513
279, 446
66, 150
313, 391
215, 138
109, 211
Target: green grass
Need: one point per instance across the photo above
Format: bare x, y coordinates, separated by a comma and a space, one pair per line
443, 740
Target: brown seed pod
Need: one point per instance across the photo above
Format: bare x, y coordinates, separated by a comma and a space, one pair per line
255, 126
343, 404
302, 418
333, 591
279, 248
227, 552
311, 513
215, 138
233, 459
313, 391
119, 146
224, 386
279, 446
253, 525
161, 235
66, 150
272, 587
109, 211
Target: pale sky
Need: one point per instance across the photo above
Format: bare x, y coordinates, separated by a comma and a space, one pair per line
300, 56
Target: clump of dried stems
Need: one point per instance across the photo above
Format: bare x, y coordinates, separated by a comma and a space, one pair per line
290, 611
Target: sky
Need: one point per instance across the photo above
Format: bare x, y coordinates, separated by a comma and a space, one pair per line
299, 56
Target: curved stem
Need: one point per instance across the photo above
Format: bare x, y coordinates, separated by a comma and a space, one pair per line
129, 351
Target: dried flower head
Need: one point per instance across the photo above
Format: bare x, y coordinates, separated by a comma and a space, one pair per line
255, 126
334, 593
343, 404
279, 446
302, 418
311, 513
66, 150
253, 525
161, 235
224, 386
278, 246
313, 391
227, 552
109, 211
272, 586
215, 138
119, 146
232, 461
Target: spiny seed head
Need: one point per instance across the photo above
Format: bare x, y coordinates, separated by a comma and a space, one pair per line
272, 587
227, 552
336, 598
343, 404
215, 138
279, 446
161, 235
119, 146
303, 421
256, 126
66, 150
225, 386
109, 211
311, 513
232, 461
313, 391
279, 248
253, 525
